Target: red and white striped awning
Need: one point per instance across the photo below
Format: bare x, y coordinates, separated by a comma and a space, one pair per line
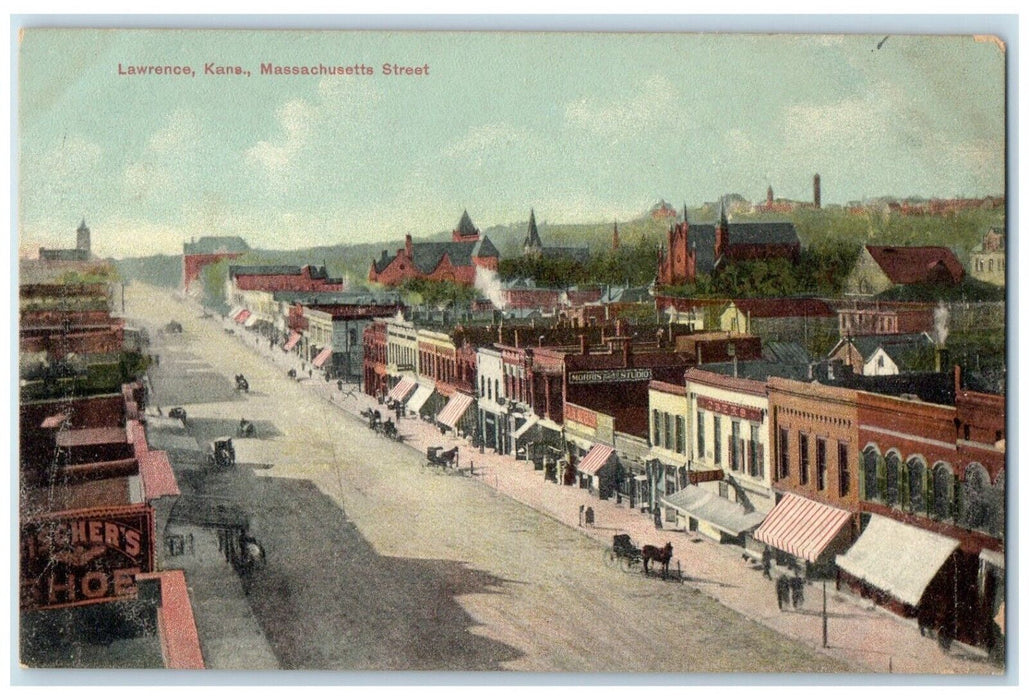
402, 389
242, 316
801, 526
595, 459
454, 409
322, 356
294, 338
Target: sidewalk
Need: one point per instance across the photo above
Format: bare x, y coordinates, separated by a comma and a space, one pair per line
858, 632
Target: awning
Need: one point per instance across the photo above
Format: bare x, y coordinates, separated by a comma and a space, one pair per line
324, 355
708, 506
801, 526
666, 459
294, 338
54, 421
992, 558
595, 459
896, 558
235, 311
525, 427
402, 389
251, 320
580, 442
242, 316
419, 397
454, 409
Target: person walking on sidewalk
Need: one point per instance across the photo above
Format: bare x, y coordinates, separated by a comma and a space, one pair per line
797, 591
589, 516
766, 563
581, 509
782, 591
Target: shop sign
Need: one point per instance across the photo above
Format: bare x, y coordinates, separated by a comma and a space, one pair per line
85, 556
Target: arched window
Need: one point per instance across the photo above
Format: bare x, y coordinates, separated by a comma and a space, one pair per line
943, 492
892, 494
975, 498
996, 504
870, 473
916, 485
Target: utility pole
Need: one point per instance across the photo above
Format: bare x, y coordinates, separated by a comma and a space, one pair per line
825, 619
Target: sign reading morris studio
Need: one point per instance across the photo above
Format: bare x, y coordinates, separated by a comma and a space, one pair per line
606, 376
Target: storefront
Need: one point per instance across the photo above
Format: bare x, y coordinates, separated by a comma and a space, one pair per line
802, 531
703, 511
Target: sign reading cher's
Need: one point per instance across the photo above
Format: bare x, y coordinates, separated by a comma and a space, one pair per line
85, 556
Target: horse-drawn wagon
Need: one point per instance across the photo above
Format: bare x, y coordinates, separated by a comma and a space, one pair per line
438, 458
624, 553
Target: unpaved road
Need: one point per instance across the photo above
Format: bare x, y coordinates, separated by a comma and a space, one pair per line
376, 564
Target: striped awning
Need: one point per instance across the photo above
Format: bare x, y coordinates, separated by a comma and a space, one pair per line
801, 526
402, 389
251, 320
242, 316
454, 409
294, 338
900, 559
595, 459
235, 311
324, 355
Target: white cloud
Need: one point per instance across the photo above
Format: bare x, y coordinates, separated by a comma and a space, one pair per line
274, 157
614, 117
167, 162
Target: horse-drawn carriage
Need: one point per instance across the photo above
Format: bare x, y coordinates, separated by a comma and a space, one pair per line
438, 458
246, 428
220, 452
177, 412
242, 384
625, 553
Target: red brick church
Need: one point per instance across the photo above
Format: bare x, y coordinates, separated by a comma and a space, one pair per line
454, 261
705, 248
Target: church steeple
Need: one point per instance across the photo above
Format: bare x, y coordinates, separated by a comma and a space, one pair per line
82, 241
465, 230
533, 244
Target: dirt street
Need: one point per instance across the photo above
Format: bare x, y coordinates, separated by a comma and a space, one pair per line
377, 563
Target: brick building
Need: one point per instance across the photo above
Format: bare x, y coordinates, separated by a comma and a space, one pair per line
879, 268
454, 261
987, 260
705, 248
880, 318
198, 254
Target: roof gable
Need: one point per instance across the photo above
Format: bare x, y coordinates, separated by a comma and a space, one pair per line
917, 264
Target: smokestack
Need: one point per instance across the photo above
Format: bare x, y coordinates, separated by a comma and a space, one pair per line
942, 359
408, 245
818, 191
627, 352
957, 378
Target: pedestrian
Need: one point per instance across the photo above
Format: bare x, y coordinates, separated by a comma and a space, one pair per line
657, 518
589, 516
797, 591
766, 563
400, 411
782, 591
339, 385
582, 508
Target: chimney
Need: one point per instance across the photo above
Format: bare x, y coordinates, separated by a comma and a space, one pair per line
408, 245
584, 346
627, 352
942, 359
516, 338
957, 378
618, 326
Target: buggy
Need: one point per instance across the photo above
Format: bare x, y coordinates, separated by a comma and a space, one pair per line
178, 412
439, 458
624, 553
220, 452
242, 384
246, 428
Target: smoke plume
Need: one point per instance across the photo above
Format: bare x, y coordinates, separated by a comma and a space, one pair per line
941, 319
488, 282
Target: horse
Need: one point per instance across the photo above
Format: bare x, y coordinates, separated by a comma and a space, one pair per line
663, 555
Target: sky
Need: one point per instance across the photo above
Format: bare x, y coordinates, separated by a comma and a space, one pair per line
579, 127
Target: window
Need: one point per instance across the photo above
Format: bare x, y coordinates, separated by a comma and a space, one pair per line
700, 435
656, 422
735, 453
943, 492
820, 466
668, 431
974, 506
870, 472
844, 468
784, 453
892, 494
718, 440
804, 458
680, 434
757, 469
916, 486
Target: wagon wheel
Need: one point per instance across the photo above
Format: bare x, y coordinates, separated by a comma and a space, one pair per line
627, 563
610, 557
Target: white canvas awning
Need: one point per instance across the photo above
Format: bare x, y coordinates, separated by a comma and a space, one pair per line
419, 397
708, 506
898, 559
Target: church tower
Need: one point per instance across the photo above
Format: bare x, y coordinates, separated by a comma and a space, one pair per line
721, 231
82, 239
679, 264
532, 247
